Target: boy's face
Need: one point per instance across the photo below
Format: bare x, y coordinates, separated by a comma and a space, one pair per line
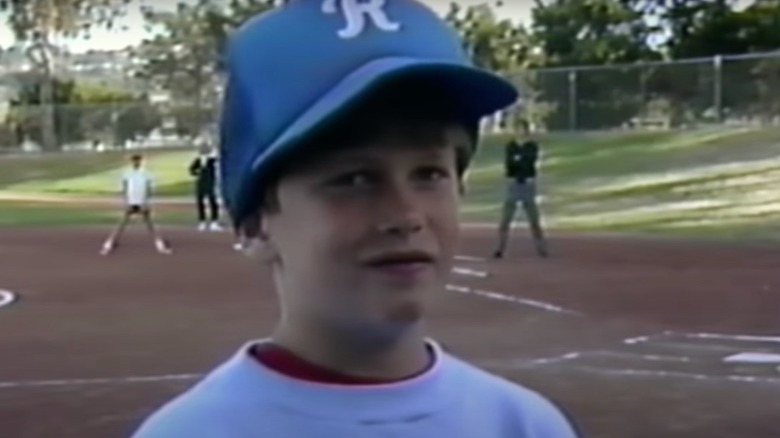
136, 162
364, 235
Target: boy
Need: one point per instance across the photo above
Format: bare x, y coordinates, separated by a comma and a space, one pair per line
520, 162
137, 192
204, 169
354, 174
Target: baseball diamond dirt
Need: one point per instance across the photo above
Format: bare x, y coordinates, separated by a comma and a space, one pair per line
633, 337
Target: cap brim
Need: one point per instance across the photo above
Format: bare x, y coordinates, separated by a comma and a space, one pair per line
479, 92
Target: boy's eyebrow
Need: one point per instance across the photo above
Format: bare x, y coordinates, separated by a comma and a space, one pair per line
340, 160
337, 161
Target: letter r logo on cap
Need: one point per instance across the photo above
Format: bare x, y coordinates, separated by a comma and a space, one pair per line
356, 12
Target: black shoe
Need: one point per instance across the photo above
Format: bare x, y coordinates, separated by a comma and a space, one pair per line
498, 255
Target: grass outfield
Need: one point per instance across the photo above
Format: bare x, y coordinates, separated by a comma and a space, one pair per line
36, 214
717, 182
92, 174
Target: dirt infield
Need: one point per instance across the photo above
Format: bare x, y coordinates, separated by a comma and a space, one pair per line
629, 335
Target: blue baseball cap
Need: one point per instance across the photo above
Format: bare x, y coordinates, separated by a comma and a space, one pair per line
291, 70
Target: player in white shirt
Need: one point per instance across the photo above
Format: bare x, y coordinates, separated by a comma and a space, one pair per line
137, 192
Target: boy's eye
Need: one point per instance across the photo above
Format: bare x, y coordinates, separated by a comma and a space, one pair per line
366, 179
431, 174
352, 179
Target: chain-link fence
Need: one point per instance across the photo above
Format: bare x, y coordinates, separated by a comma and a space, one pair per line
98, 127
731, 89
687, 93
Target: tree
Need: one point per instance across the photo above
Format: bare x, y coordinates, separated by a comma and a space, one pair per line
499, 45
753, 88
494, 44
41, 22
237, 12
35, 117
181, 60
706, 29
591, 32
82, 112
112, 115
184, 59
760, 24
576, 33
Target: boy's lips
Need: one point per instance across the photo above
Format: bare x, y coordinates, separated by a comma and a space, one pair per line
391, 258
401, 264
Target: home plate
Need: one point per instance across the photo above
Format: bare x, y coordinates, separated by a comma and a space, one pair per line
7, 298
753, 358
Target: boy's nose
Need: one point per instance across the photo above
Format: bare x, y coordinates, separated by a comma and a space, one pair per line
401, 214
402, 225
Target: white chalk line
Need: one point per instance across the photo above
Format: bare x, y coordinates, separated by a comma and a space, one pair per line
640, 339
625, 372
517, 364
99, 381
726, 337
556, 359
511, 299
658, 342
689, 346
679, 375
7, 298
754, 358
108, 381
708, 336
601, 353
645, 357
469, 272
564, 363
468, 258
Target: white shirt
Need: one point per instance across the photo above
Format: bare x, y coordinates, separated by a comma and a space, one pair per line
244, 399
138, 185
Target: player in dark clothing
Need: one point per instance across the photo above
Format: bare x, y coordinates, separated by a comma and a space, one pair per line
204, 169
521, 157
246, 233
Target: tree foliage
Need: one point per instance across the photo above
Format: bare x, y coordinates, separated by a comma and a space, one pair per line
31, 20
593, 63
82, 112
183, 59
498, 45
41, 22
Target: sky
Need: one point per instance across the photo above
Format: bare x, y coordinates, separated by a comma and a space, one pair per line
132, 30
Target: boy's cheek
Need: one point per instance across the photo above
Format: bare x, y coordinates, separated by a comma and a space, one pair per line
346, 219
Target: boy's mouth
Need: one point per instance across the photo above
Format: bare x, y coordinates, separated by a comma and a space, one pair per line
403, 265
400, 258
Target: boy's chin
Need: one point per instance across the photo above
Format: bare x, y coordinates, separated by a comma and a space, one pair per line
389, 323
405, 313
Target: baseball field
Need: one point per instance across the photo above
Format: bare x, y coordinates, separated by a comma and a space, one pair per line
658, 314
